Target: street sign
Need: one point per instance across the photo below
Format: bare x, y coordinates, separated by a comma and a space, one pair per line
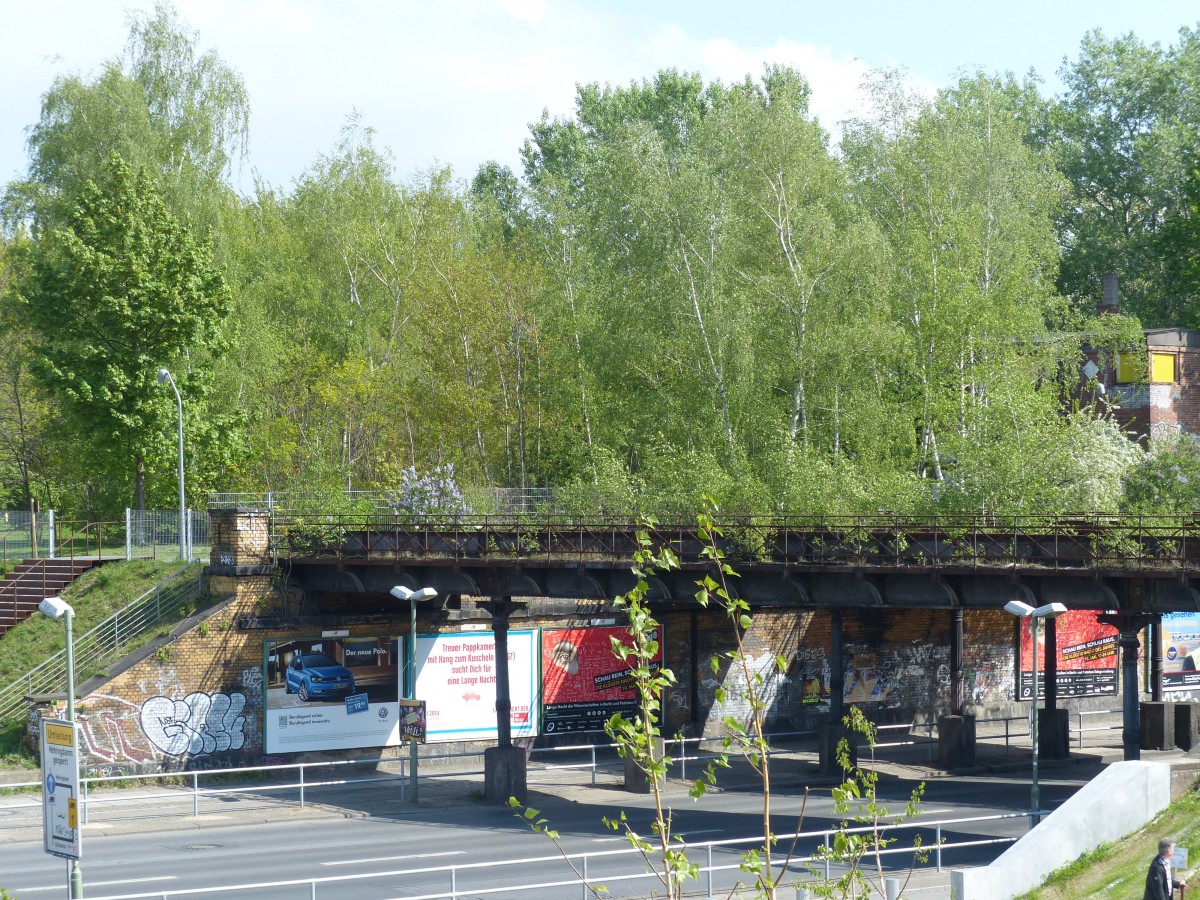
60, 788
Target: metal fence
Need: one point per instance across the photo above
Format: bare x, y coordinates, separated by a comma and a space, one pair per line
145, 534
95, 649
477, 500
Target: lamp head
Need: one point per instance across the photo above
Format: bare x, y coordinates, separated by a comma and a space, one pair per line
55, 608
400, 592
163, 376
1050, 611
1018, 608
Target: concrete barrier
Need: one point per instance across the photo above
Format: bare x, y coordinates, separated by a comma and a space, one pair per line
1123, 798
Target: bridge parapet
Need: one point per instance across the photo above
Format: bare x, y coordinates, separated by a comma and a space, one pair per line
1153, 547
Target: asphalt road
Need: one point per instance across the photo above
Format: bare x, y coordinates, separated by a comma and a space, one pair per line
390, 848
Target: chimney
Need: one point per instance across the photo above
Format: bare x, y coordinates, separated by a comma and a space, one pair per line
1111, 303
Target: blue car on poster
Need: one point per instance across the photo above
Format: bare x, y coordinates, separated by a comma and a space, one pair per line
314, 676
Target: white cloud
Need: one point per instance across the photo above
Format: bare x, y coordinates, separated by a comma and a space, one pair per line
525, 10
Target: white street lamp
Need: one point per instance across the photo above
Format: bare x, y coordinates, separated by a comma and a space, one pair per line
163, 377
400, 592
57, 608
1025, 611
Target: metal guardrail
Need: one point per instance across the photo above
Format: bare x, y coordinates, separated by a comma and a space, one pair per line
579, 865
108, 638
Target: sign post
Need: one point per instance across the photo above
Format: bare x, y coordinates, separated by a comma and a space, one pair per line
60, 789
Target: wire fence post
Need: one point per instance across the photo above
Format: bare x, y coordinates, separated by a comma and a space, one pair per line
938, 839
584, 882
195, 795
302, 785
827, 856
709, 895
128, 534
593, 765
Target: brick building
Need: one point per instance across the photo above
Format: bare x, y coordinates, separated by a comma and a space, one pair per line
1158, 394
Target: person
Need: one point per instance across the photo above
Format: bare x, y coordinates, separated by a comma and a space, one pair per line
1158, 879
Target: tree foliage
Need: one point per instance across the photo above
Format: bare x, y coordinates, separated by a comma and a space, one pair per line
119, 292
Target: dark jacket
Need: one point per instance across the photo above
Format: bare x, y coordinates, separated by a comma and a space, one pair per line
1156, 881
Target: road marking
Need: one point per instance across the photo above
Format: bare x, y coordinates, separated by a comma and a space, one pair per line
373, 859
58, 887
682, 834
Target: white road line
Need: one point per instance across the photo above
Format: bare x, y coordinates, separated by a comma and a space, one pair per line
91, 884
373, 859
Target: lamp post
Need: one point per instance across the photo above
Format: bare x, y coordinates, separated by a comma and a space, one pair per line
163, 377
57, 608
1025, 611
400, 592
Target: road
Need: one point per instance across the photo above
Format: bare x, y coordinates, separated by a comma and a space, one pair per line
391, 851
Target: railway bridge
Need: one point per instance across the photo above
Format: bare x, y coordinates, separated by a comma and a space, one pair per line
1128, 570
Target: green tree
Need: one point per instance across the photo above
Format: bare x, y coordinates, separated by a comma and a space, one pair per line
1124, 135
180, 112
120, 291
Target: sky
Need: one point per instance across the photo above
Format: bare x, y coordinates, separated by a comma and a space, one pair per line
457, 82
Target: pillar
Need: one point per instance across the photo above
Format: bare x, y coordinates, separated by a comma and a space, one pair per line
504, 766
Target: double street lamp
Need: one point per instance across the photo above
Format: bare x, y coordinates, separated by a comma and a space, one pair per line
163, 378
400, 592
57, 608
1035, 616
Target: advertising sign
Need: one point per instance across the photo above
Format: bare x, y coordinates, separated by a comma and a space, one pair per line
456, 677
1087, 657
1181, 651
331, 693
412, 721
60, 789
583, 683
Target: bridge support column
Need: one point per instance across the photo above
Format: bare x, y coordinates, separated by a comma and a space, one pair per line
1156, 664
1128, 625
958, 699
1054, 738
956, 742
829, 734
504, 766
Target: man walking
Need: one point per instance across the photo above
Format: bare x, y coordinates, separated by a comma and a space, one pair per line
1158, 880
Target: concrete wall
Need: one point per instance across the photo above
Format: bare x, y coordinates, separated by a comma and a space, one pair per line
1122, 799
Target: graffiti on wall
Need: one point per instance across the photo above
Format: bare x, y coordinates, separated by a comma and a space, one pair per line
201, 724
198, 725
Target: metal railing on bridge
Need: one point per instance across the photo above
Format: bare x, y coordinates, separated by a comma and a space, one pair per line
1150, 545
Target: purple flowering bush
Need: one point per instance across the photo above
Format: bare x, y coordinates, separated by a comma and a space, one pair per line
433, 493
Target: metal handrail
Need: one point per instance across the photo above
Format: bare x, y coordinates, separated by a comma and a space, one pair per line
117, 631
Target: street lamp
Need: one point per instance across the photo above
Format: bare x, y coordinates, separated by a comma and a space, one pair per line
400, 592
57, 608
163, 377
1025, 611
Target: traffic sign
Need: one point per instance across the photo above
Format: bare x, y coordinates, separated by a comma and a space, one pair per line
60, 788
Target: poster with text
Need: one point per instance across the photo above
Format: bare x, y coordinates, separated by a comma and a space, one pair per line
1086, 656
583, 683
331, 694
1181, 651
456, 677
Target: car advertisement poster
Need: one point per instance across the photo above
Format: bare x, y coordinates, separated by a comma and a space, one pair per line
331, 694
583, 683
1086, 655
456, 677
1181, 651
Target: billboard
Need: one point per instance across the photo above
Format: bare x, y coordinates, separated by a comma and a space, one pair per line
331, 693
456, 677
583, 683
1086, 655
1181, 651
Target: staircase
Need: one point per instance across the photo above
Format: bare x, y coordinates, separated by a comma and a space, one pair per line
22, 589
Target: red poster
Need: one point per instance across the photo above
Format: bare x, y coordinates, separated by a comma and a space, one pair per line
1086, 653
583, 682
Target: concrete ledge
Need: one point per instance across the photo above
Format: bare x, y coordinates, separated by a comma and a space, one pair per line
1121, 799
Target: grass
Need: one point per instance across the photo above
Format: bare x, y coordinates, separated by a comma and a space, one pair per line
1118, 870
95, 596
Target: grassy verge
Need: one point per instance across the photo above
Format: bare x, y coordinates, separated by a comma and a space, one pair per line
1119, 869
95, 596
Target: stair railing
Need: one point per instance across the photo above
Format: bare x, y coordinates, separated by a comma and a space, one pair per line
93, 648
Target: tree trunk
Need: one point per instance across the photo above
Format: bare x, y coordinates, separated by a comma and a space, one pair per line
139, 484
